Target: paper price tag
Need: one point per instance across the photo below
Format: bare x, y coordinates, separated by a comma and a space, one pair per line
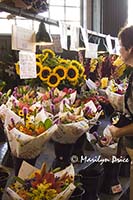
91, 50
27, 62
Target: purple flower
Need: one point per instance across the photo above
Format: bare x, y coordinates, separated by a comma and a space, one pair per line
25, 110
52, 108
12, 121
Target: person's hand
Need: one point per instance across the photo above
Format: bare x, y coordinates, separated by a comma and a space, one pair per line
114, 131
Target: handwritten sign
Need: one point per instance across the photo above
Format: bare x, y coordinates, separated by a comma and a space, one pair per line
27, 62
23, 39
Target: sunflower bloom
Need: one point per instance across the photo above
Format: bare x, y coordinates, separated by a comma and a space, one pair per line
63, 61
44, 73
74, 83
20, 113
45, 56
38, 67
41, 57
53, 80
17, 68
38, 58
50, 53
72, 73
81, 71
61, 71
76, 63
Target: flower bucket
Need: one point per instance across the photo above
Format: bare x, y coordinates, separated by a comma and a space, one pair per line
92, 181
4, 175
125, 168
63, 154
78, 149
111, 184
77, 194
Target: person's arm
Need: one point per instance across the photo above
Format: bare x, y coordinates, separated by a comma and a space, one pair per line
119, 132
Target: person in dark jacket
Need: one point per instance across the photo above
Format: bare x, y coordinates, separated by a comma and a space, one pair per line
125, 37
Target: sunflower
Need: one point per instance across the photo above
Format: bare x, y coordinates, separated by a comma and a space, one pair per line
81, 70
41, 57
63, 61
50, 53
76, 63
74, 83
61, 71
17, 68
72, 73
20, 113
53, 80
38, 67
44, 73
38, 57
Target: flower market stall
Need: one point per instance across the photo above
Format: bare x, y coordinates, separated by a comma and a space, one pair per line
64, 105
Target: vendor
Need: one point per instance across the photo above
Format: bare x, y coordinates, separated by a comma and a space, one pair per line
125, 37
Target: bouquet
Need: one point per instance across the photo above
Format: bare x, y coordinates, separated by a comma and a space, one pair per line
52, 99
27, 136
115, 95
73, 123
33, 183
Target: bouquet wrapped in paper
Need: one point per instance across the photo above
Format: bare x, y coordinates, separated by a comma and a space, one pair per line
72, 124
52, 100
33, 183
27, 135
115, 95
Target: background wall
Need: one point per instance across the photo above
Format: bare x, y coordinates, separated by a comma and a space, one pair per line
114, 15
108, 16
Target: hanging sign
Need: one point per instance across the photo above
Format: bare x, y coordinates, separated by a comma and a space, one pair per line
85, 36
23, 39
91, 50
109, 44
27, 62
63, 34
74, 31
117, 47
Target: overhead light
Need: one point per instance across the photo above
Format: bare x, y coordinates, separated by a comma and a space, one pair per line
42, 36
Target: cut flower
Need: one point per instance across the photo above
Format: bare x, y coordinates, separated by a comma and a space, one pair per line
33, 183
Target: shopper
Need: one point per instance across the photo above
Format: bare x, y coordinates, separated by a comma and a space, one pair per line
125, 37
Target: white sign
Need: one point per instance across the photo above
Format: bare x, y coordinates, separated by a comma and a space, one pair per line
117, 47
91, 50
63, 34
23, 39
85, 36
109, 44
74, 38
27, 62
